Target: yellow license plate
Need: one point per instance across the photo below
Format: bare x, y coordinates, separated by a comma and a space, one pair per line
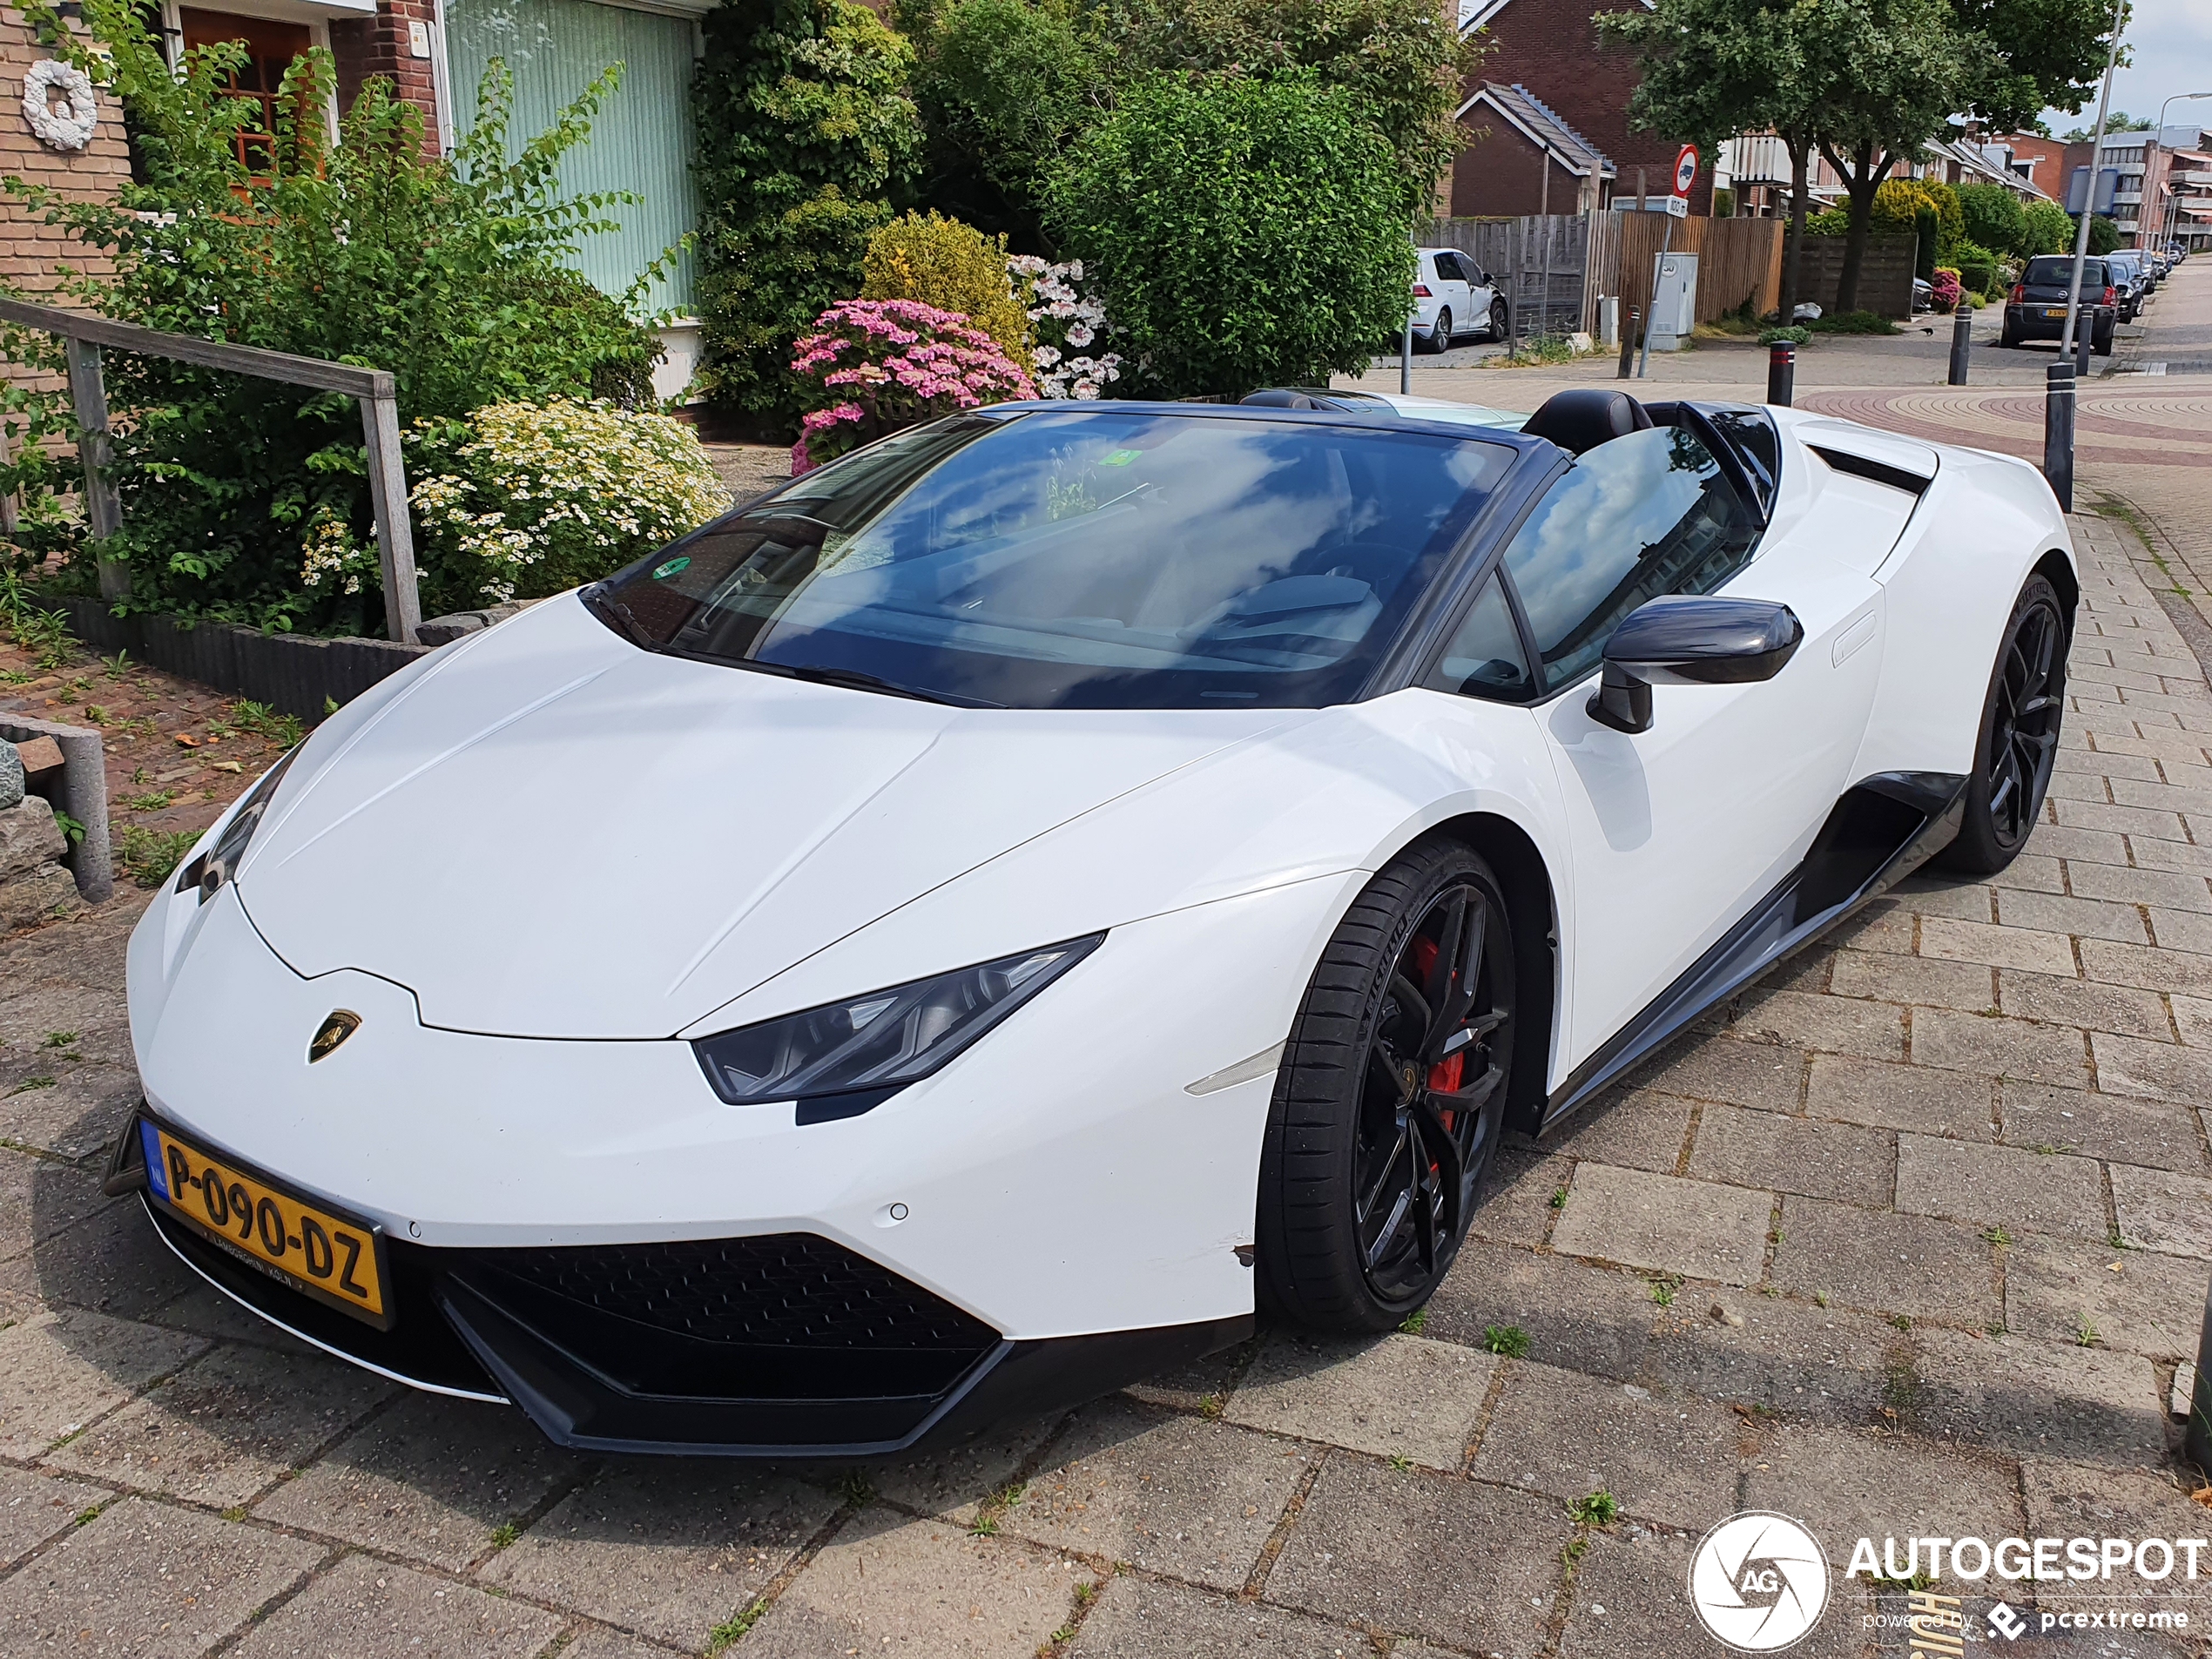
330, 1256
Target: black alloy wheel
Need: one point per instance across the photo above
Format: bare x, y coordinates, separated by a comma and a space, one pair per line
1499, 325
2018, 741
1391, 1097
1439, 338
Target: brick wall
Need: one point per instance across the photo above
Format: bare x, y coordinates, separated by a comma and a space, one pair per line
1503, 174
370, 46
1551, 47
30, 249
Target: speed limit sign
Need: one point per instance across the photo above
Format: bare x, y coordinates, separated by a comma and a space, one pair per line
1685, 170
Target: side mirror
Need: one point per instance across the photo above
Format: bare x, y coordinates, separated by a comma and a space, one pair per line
1685, 640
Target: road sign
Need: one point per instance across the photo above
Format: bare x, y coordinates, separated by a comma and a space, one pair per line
1685, 170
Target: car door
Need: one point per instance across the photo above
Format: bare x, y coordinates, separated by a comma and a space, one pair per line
1676, 831
1457, 293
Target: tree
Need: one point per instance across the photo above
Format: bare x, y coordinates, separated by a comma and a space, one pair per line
1991, 216
2104, 235
808, 140
1712, 69
1003, 87
2118, 121
1401, 62
2046, 227
2039, 54
1244, 233
1894, 71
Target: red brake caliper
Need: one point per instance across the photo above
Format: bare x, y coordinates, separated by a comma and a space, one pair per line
1444, 1076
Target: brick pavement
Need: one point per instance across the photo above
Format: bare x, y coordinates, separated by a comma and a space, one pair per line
1909, 1237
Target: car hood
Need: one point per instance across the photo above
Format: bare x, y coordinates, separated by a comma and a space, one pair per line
545, 832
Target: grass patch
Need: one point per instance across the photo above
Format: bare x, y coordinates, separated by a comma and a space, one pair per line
262, 721
1997, 1235
57, 1039
504, 1534
2084, 1334
1414, 1322
149, 856
1533, 352
1510, 1340
1599, 1509
1663, 1292
153, 801
730, 1629
1559, 1197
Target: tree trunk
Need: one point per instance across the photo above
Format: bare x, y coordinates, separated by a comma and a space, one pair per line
1800, 201
1863, 174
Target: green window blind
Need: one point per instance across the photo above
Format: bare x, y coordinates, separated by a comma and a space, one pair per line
641, 141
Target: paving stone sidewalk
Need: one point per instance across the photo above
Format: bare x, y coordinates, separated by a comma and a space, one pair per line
1909, 1238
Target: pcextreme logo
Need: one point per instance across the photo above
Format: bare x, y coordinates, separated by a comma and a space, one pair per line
1759, 1582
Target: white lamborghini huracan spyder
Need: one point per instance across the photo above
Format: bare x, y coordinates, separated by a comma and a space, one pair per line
967, 929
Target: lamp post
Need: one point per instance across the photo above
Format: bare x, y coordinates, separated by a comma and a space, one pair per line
2090, 195
2173, 201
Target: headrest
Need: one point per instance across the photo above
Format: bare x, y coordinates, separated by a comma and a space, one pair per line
1586, 416
1281, 398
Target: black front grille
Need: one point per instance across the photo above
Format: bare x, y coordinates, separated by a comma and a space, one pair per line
783, 1290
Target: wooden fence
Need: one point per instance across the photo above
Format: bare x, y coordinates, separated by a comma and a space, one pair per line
1737, 259
1885, 276
1541, 262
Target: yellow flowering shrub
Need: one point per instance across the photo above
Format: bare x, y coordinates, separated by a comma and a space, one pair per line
524, 500
941, 262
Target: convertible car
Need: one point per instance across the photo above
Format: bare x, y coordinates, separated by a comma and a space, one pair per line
978, 924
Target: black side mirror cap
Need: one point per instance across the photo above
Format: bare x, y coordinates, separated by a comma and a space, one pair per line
1682, 639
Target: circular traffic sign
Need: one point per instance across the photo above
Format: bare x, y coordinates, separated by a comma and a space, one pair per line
1685, 169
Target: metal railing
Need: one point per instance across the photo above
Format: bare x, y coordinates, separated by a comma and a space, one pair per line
85, 333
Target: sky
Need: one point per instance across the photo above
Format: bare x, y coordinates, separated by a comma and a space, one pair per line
2172, 44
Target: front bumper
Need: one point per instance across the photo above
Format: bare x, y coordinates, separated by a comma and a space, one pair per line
786, 1346
1060, 1198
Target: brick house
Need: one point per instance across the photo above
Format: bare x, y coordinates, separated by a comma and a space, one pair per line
436, 53
1549, 52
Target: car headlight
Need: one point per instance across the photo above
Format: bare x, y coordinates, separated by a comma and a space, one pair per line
866, 1047
219, 862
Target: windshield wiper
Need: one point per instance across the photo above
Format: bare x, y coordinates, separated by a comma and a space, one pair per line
610, 610
859, 680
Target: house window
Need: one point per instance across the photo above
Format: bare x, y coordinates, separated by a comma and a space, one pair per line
641, 140
271, 48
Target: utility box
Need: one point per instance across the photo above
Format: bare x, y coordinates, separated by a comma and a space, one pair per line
1673, 301
1609, 322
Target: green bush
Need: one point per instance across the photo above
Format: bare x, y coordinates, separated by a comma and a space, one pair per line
1992, 218
367, 251
2104, 236
520, 500
1855, 322
1834, 222
952, 266
1244, 233
1795, 334
2046, 227
1977, 276
1003, 87
808, 140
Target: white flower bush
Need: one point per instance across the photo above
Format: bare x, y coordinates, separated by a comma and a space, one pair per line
524, 500
1065, 320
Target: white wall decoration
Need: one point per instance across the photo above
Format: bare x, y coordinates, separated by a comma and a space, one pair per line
56, 129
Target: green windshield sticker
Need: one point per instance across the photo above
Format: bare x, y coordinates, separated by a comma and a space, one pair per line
672, 568
1121, 458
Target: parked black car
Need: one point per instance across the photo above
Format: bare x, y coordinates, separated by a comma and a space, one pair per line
2036, 307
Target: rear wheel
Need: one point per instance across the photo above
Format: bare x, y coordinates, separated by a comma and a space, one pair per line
1439, 338
2018, 741
1390, 1096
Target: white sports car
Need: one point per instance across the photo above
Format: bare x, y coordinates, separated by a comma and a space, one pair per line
971, 927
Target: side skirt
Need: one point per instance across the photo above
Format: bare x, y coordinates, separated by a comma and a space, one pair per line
1881, 830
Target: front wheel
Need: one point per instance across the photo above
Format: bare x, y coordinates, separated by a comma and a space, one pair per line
1498, 323
2018, 741
1390, 1097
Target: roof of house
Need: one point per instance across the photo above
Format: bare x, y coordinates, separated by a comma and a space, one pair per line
1541, 125
1971, 159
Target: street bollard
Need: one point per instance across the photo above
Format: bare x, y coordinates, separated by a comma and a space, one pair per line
2198, 1440
1629, 344
1406, 359
2057, 432
1780, 372
2082, 342
1962, 335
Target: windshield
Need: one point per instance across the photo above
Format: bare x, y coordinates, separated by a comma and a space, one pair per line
1056, 558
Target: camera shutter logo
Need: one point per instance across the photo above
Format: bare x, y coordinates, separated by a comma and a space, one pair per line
1759, 1582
